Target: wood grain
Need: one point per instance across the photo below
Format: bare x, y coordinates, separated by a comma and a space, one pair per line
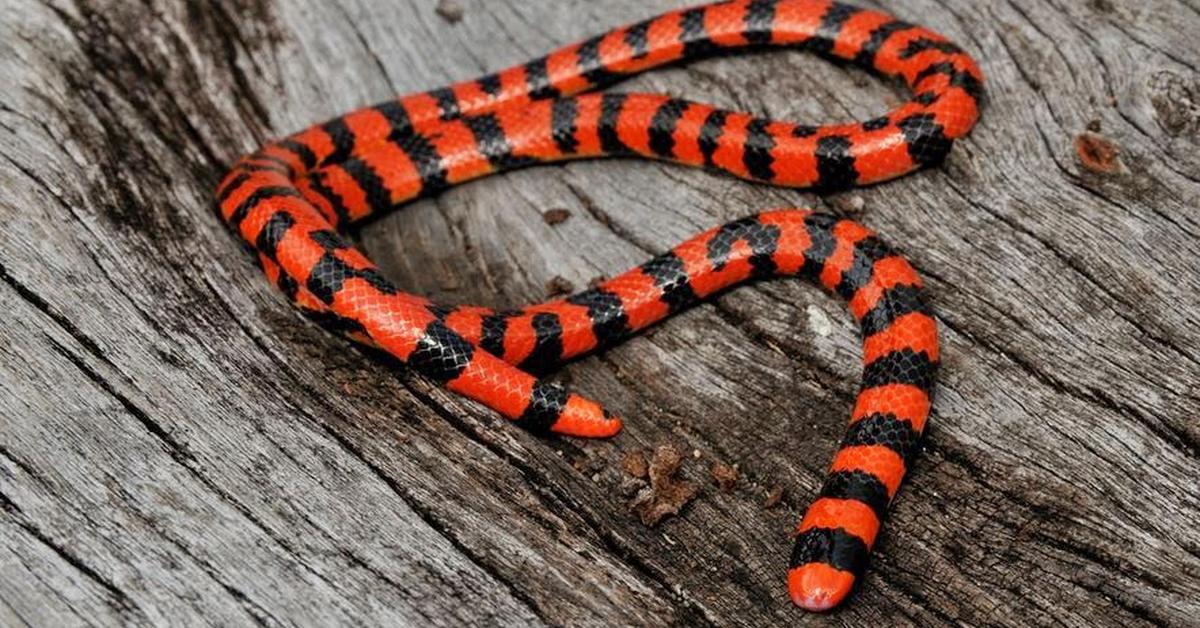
178, 446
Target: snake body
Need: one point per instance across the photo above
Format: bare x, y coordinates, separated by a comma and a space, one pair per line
288, 200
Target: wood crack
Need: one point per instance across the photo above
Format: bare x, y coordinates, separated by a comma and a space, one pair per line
64, 323
118, 599
540, 482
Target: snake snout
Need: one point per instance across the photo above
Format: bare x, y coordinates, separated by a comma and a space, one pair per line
587, 419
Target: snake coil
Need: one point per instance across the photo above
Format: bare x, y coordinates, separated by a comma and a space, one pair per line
288, 200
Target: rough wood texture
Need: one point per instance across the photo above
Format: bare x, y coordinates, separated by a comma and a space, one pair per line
177, 445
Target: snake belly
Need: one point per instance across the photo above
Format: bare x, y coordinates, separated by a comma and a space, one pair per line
290, 198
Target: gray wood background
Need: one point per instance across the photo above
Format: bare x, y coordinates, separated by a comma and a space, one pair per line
177, 446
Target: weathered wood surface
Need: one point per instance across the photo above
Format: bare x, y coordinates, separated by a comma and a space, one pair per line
178, 446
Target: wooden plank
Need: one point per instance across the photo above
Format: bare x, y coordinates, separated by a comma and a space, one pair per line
177, 445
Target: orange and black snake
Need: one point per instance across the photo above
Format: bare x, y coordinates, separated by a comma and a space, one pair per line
288, 200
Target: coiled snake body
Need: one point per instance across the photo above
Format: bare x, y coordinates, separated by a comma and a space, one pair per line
288, 199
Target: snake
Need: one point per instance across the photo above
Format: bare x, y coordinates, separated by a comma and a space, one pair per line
292, 200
